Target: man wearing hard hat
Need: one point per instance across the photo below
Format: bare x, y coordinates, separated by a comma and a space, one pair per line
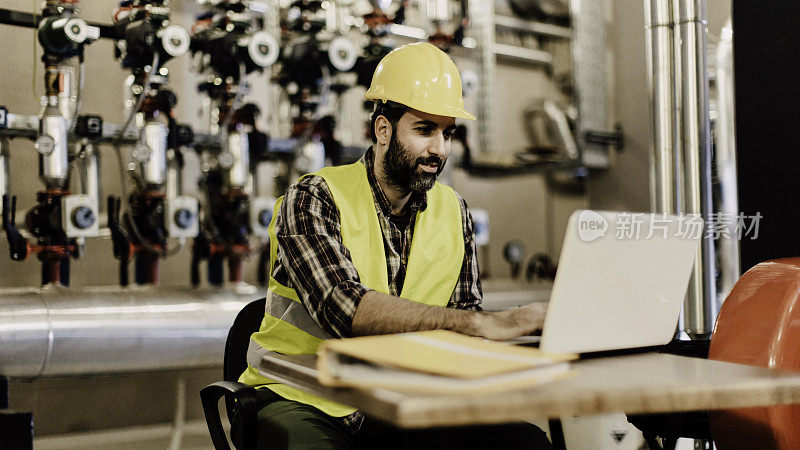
379, 247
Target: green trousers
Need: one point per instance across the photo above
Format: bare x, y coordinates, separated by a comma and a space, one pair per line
285, 424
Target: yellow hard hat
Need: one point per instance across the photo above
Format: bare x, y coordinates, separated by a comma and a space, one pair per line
421, 77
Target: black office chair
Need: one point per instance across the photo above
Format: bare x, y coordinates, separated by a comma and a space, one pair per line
246, 323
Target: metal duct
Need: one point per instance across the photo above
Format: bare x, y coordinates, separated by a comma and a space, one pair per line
700, 307
53, 331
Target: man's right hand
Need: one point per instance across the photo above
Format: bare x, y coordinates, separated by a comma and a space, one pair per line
510, 324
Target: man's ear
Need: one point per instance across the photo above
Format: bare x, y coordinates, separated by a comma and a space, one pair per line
383, 130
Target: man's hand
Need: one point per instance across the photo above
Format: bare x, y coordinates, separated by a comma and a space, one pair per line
512, 323
379, 313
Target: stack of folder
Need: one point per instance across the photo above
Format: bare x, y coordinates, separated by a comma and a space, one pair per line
436, 361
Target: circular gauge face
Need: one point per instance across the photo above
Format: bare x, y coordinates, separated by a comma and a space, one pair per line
184, 218
342, 54
174, 40
83, 217
263, 49
45, 145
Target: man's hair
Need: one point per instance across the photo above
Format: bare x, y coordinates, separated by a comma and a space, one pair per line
391, 110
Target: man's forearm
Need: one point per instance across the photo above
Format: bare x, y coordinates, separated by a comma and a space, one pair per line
379, 313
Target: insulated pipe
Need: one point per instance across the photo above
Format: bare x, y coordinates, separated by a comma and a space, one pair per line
52, 331
700, 307
661, 81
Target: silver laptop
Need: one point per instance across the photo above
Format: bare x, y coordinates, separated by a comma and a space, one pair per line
621, 281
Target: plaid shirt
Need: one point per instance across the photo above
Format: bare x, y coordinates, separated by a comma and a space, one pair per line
313, 261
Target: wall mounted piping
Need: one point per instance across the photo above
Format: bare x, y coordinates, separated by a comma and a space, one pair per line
53, 331
700, 308
661, 82
681, 160
725, 159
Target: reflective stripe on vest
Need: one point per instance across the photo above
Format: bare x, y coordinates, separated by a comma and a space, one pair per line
434, 265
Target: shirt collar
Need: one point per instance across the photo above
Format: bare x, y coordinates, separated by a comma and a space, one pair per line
417, 202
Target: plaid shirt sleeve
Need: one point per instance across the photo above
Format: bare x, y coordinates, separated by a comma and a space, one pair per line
319, 266
468, 293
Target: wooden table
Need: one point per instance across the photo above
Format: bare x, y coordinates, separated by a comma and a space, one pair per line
643, 383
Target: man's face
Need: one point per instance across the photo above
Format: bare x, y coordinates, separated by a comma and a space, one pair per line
417, 151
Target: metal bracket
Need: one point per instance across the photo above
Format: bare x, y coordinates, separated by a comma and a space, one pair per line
605, 138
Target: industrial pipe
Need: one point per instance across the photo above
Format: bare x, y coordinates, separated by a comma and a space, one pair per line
700, 308
661, 81
725, 152
53, 331
681, 160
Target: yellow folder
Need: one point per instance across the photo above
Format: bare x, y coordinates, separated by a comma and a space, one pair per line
437, 361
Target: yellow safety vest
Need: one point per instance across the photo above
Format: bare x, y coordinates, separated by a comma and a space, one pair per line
434, 264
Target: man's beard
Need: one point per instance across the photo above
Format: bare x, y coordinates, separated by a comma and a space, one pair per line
402, 172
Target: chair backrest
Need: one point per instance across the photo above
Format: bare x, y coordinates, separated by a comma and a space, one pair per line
759, 325
246, 323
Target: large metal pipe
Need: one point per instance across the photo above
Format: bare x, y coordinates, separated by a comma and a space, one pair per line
53, 331
725, 150
700, 306
661, 82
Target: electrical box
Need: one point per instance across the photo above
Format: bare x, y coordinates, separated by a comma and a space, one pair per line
80, 216
182, 217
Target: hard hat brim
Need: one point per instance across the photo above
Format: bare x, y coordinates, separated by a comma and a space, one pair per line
439, 110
